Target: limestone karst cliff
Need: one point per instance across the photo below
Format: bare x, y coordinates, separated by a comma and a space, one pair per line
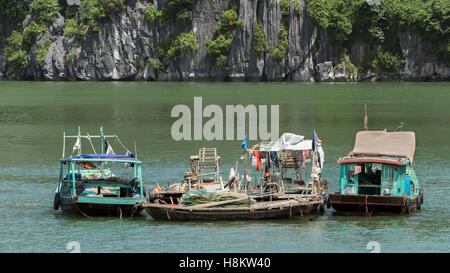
261, 40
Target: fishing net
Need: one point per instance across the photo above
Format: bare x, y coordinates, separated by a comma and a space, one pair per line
202, 197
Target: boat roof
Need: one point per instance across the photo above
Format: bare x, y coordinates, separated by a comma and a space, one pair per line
383, 143
102, 157
374, 159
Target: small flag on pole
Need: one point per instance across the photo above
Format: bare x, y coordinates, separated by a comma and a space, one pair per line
314, 141
77, 145
244, 144
109, 150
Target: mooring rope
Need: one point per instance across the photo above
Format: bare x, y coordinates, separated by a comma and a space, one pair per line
120, 142
82, 212
134, 210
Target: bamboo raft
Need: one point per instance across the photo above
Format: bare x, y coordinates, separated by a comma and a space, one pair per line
275, 209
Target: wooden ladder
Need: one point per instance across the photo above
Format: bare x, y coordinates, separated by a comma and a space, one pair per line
208, 160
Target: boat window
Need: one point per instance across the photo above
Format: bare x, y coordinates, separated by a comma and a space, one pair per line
388, 173
368, 172
350, 174
369, 178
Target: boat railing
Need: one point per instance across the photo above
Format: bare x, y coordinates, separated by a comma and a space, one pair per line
104, 143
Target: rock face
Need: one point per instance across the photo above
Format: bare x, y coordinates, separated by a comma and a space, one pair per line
125, 48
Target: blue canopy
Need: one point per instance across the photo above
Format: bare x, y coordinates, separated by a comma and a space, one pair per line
103, 156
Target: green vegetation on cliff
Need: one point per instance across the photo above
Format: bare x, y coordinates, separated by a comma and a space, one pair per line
13, 12
151, 14
43, 51
72, 28
180, 10
45, 10
279, 52
219, 48
20, 42
92, 11
16, 55
347, 21
184, 43
260, 41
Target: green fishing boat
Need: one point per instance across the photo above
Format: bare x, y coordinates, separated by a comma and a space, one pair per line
377, 176
87, 184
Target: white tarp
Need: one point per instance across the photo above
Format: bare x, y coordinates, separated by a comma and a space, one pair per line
289, 141
294, 142
385, 143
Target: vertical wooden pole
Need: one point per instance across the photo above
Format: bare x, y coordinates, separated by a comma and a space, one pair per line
366, 127
74, 192
101, 138
139, 170
79, 137
64, 145
245, 165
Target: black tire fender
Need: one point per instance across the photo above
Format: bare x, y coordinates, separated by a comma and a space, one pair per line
407, 205
56, 201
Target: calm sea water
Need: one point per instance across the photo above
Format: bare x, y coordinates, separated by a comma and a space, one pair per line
33, 116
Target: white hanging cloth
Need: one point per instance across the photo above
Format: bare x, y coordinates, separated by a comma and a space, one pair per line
77, 145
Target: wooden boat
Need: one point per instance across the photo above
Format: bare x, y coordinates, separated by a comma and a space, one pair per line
377, 176
267, 198
275, 209
87, 185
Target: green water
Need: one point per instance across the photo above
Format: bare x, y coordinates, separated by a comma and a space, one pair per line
33, 116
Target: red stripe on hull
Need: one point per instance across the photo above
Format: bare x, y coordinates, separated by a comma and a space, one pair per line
364, 203
370, 160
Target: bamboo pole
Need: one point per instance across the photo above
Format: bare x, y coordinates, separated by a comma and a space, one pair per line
245, 165
212, 204
64, 144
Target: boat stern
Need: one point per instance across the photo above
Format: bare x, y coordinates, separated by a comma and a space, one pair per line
370, 204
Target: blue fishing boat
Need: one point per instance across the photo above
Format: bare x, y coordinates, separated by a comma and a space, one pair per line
377, 176
88, 185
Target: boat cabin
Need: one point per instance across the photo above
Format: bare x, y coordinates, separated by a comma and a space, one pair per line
86, 176
385, 176
380, 164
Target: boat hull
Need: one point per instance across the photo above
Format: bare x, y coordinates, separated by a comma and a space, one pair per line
371, 204
274, 211
99, 209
